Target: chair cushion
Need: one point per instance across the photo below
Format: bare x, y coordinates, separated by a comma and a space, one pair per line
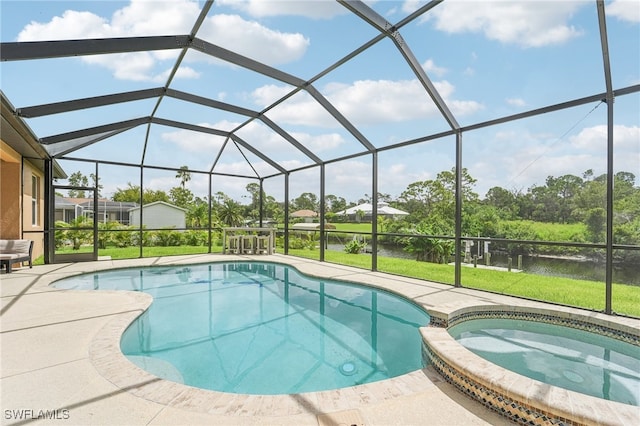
9, 256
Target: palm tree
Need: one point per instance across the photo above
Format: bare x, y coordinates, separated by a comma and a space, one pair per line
184, 175
198, 214
229, 213
77, 233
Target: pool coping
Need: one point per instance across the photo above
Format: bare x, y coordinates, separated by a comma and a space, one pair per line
520, 398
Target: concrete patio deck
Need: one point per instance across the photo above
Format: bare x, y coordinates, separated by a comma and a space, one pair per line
60, 358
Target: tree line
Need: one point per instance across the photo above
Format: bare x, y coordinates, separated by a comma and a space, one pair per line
502, 213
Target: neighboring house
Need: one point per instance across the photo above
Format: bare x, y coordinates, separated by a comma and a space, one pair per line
111, 211
159, 215
67, 209
365, 211
22, 180
307, 215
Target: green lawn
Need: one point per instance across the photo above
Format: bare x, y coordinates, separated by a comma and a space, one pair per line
552, 231
353, 227
564, 291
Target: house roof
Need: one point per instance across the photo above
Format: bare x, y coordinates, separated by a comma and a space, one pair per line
19, 136
62, 202
311, 226
158, 203
304, 213
367, 208
103, 203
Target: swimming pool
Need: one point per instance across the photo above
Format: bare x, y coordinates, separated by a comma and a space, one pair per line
263, 328
572, 359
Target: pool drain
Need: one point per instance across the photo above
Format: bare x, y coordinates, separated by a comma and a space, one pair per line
348, 368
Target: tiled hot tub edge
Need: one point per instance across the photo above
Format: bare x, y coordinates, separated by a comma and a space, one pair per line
523, 400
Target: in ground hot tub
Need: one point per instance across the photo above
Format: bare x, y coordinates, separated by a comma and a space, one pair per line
539, 365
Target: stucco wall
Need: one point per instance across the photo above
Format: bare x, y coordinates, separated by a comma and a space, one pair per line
9, 192
10, 200
16, 197
30, 231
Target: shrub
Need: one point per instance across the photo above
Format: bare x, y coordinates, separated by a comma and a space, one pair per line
299, 243
167, 238
195, 238
124, 239
354, 247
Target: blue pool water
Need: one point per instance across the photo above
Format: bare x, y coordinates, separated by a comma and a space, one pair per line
561, 356
263, 328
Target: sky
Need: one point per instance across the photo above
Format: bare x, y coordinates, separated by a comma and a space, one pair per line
486, 59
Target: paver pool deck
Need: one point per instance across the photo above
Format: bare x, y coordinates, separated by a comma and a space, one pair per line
60, 357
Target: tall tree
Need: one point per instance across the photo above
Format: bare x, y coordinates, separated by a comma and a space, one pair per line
253, 209
334, 204
503, 200
230, 213
180, 196
184, 175
78, 179
198, 213
435, 199
273, 209
132, 194
306, 201
96, 184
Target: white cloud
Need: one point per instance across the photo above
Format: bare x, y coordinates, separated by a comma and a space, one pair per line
469, 71
268, 94
316, 9
197, 142
364, 102
283, 152
183, 72
319, 143
625, 139
352, 177
409, 6
517, 102
267, 140
254, 40
536, 156
431, 68
150, 18
139, 66
300, 109
242, 168
625, 10
71, 25
528, 24
139, 18
144, 17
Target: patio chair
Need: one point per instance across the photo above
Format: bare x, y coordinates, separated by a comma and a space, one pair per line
233, 244
247, 244
262, 244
